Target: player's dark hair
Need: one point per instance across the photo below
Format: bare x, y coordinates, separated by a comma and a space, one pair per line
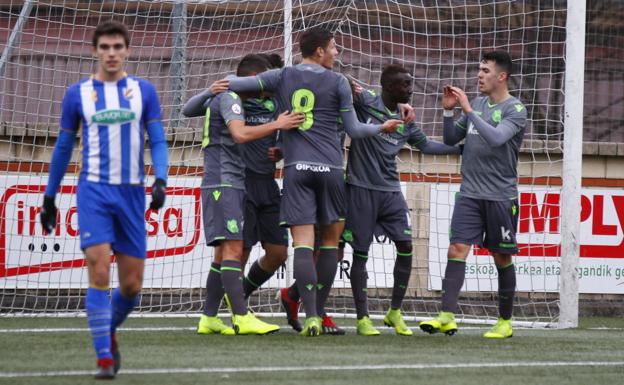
502, 60
252, 63
274, 59
390, 71
111, 27
312, 39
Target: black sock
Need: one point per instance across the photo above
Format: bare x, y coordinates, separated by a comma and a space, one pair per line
326, 267
402, 271
214, 291
359, 280
506, 290
293, 292
255, 278
233, 285
305, 274
452, 283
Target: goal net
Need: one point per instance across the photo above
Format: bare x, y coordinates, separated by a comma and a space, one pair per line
182, 47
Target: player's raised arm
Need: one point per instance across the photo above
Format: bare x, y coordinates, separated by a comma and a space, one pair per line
196, 105
454, 131
512, 122
352, 125
266, 81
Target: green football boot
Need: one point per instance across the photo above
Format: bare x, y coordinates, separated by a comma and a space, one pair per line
394, 319
502, 329
312, 327
210, 325
249, 324
365, 327
443, 323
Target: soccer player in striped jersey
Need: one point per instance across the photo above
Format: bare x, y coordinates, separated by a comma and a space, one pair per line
314, 189
374, 191
223, 197
486, 207
113, 110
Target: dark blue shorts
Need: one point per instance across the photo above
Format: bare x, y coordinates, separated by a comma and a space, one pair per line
373, 212
312, 194
112, 214
262, 209
222, 211
490, 224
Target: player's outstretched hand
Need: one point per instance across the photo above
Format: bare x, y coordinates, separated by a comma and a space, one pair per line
287, 120
48, 215
391, 125
407, 113
275, 154
462, 99
219, 86
356, 89
449, 101
159, 191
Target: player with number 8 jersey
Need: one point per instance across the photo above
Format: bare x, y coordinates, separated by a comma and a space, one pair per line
314, 189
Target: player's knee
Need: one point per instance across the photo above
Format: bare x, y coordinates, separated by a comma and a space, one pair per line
404, 247
502, 260
131, 289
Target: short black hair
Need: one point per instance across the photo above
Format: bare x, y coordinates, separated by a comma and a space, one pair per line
108, 28
390, 71
252, 63
274, 59
502, 60
312, 39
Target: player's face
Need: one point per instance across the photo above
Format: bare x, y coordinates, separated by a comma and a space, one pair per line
329, 54
111, 51
490, 77
401, 87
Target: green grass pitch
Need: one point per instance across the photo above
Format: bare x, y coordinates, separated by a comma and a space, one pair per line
592, 354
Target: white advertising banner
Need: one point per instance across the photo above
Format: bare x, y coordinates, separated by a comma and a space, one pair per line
601, 266
177, 254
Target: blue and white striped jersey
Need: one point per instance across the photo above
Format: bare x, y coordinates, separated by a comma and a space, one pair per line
113, 117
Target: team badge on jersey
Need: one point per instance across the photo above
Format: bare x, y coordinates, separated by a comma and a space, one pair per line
236, 109
127, 93
497, 116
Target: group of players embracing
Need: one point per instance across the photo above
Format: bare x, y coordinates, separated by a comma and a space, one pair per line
301, 114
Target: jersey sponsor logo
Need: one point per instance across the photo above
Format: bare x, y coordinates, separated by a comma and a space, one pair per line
388, 138
311, 167
236, 109
257, 119
118, 116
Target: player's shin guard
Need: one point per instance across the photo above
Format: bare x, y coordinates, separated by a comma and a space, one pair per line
506, 290
452, 283
306, 278
255, 278
359, 278
232, 283
402, 271
121, 307
99, 318
326, 267
214, 291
